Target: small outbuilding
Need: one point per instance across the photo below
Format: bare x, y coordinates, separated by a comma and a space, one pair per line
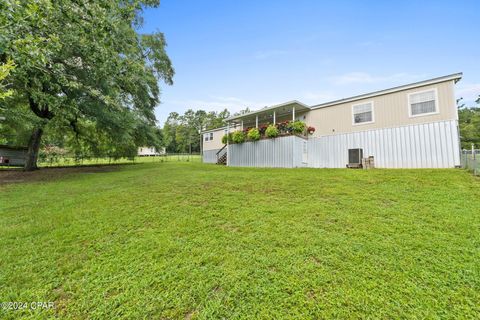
150, 152
13, 155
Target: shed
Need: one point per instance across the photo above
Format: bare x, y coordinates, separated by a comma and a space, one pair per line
12, 155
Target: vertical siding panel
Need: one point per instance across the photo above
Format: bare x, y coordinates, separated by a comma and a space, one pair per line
456, 142
403, 148
449, 142
408, 148
428, 151
435, 153
441, 148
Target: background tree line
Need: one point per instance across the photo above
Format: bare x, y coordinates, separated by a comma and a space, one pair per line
469, 123
181, 133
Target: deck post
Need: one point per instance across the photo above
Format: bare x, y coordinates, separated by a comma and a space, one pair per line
293, 114
256, 121
274, 118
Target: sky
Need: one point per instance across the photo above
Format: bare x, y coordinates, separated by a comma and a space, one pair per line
237, 54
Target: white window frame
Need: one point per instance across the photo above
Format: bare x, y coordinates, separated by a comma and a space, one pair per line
211, 136
206, 137
361, 104
437, 107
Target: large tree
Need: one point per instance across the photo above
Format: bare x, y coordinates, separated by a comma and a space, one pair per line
5, 70
84, 66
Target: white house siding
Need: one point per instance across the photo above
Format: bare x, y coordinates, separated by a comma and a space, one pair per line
389, 110
428, 145
282, 152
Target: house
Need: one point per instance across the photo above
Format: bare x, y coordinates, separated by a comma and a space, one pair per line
409, 126
13, 155
150, 151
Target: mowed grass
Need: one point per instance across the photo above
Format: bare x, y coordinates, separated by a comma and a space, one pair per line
193, 241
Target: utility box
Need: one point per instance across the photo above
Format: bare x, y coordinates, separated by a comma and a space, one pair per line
368, 163
355, 157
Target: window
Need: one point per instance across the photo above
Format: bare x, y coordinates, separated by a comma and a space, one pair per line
208, 136
422, 103
362, 113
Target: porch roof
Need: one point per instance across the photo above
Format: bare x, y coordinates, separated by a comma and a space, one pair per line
266, 113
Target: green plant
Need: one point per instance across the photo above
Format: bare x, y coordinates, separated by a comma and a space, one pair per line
271, 131
253, 134
227, 138
238, 137
297, 127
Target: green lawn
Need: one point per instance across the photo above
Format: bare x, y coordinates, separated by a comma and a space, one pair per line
184, 240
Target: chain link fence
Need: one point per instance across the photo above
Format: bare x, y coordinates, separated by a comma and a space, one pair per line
471, 161
66, 160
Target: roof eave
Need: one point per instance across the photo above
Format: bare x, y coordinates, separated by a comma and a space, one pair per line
268, 109
455, 77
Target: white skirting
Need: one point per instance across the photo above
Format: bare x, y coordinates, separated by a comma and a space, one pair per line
429, 145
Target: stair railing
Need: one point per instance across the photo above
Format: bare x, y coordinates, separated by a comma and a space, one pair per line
219, 151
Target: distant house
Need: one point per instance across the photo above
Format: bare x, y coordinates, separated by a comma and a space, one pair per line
150, 151
12, 156
410, 126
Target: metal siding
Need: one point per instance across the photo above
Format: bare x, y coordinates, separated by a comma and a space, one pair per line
283, 152
15, 157
210, 156
430, 145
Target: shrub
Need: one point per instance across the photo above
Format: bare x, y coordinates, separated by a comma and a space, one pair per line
227, 137
253, 134
283, 126
271, 131
262, 129
297, 127
238, 137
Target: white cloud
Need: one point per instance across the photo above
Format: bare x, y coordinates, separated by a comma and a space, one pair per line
364, 77
468, 91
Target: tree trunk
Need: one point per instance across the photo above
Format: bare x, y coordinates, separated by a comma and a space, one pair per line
33, 148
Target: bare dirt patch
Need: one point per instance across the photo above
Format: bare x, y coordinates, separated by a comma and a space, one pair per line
8, 176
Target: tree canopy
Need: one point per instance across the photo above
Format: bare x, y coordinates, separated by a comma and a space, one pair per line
83, 71
469, 123
181, 133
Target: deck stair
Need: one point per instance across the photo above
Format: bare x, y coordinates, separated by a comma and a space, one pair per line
222, 155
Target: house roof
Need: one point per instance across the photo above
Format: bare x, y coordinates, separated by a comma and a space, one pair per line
299, 106
455, 77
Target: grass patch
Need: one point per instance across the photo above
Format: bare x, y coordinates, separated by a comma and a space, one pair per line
188, 240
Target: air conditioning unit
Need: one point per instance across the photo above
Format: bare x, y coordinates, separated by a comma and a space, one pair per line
355, 157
